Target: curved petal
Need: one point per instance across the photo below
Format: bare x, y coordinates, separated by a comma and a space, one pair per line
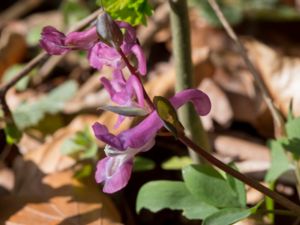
135, 89
114, 173
139, 54
101, 54
53, 41
102, 133
82, 40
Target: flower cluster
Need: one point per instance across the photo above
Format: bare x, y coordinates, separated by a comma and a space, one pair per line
115, 169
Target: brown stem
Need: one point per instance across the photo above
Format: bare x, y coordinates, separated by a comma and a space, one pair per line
247, 180
134, 73
278, 120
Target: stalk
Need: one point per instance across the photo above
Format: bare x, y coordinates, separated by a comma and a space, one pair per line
184, 73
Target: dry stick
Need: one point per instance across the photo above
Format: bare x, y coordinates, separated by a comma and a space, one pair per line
34, 62
278, 120
247, 180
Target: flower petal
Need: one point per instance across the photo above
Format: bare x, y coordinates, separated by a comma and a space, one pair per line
139, 54
115, 174
52, 41
82, 40
102, 133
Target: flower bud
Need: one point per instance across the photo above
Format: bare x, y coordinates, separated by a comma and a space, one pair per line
109, 31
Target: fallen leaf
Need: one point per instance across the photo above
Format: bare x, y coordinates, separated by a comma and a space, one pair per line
279, 72
55, 199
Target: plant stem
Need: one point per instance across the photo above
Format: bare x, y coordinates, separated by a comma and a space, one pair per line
184, 73
134, 73
33, 63
247, 180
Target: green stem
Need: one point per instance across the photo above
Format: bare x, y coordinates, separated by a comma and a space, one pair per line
184, 73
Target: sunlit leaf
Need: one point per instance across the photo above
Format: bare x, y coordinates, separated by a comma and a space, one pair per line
176, 163
208, 185
158, 195
132, 11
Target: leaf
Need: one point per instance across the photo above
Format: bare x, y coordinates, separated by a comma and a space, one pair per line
208, 185
81, 146
56, 199
239, 188
292, 144
29, 114
125, 110
131, 11
176, 163
158, 195
143, 164
279, 161
73, 11
12, 133
168, 114
227, 216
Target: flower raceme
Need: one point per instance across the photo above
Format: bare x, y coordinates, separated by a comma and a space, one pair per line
100, 53
115, 169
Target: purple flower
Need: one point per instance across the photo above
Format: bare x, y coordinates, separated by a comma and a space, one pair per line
56, 43
124, 92
53, 41
115, 169
101, 54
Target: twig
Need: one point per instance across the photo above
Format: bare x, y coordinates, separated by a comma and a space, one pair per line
184, 73
247, 180
33, 63
278, 120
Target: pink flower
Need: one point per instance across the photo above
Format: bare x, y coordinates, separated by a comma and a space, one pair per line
115, 169
127, 93
56, 43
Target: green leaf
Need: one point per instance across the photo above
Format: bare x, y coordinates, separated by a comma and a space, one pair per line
292, 143
239, 187
12, 133
293, 128
143, 164
73, 11
85, 171
176, 163
158, 195
208, 185
279, 161
81, 146
131, 11
29, 114
168, 114
227, 216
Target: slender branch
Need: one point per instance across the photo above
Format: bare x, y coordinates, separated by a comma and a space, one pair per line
180, 28
134, 73
247, 180
33, 63
278, 120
